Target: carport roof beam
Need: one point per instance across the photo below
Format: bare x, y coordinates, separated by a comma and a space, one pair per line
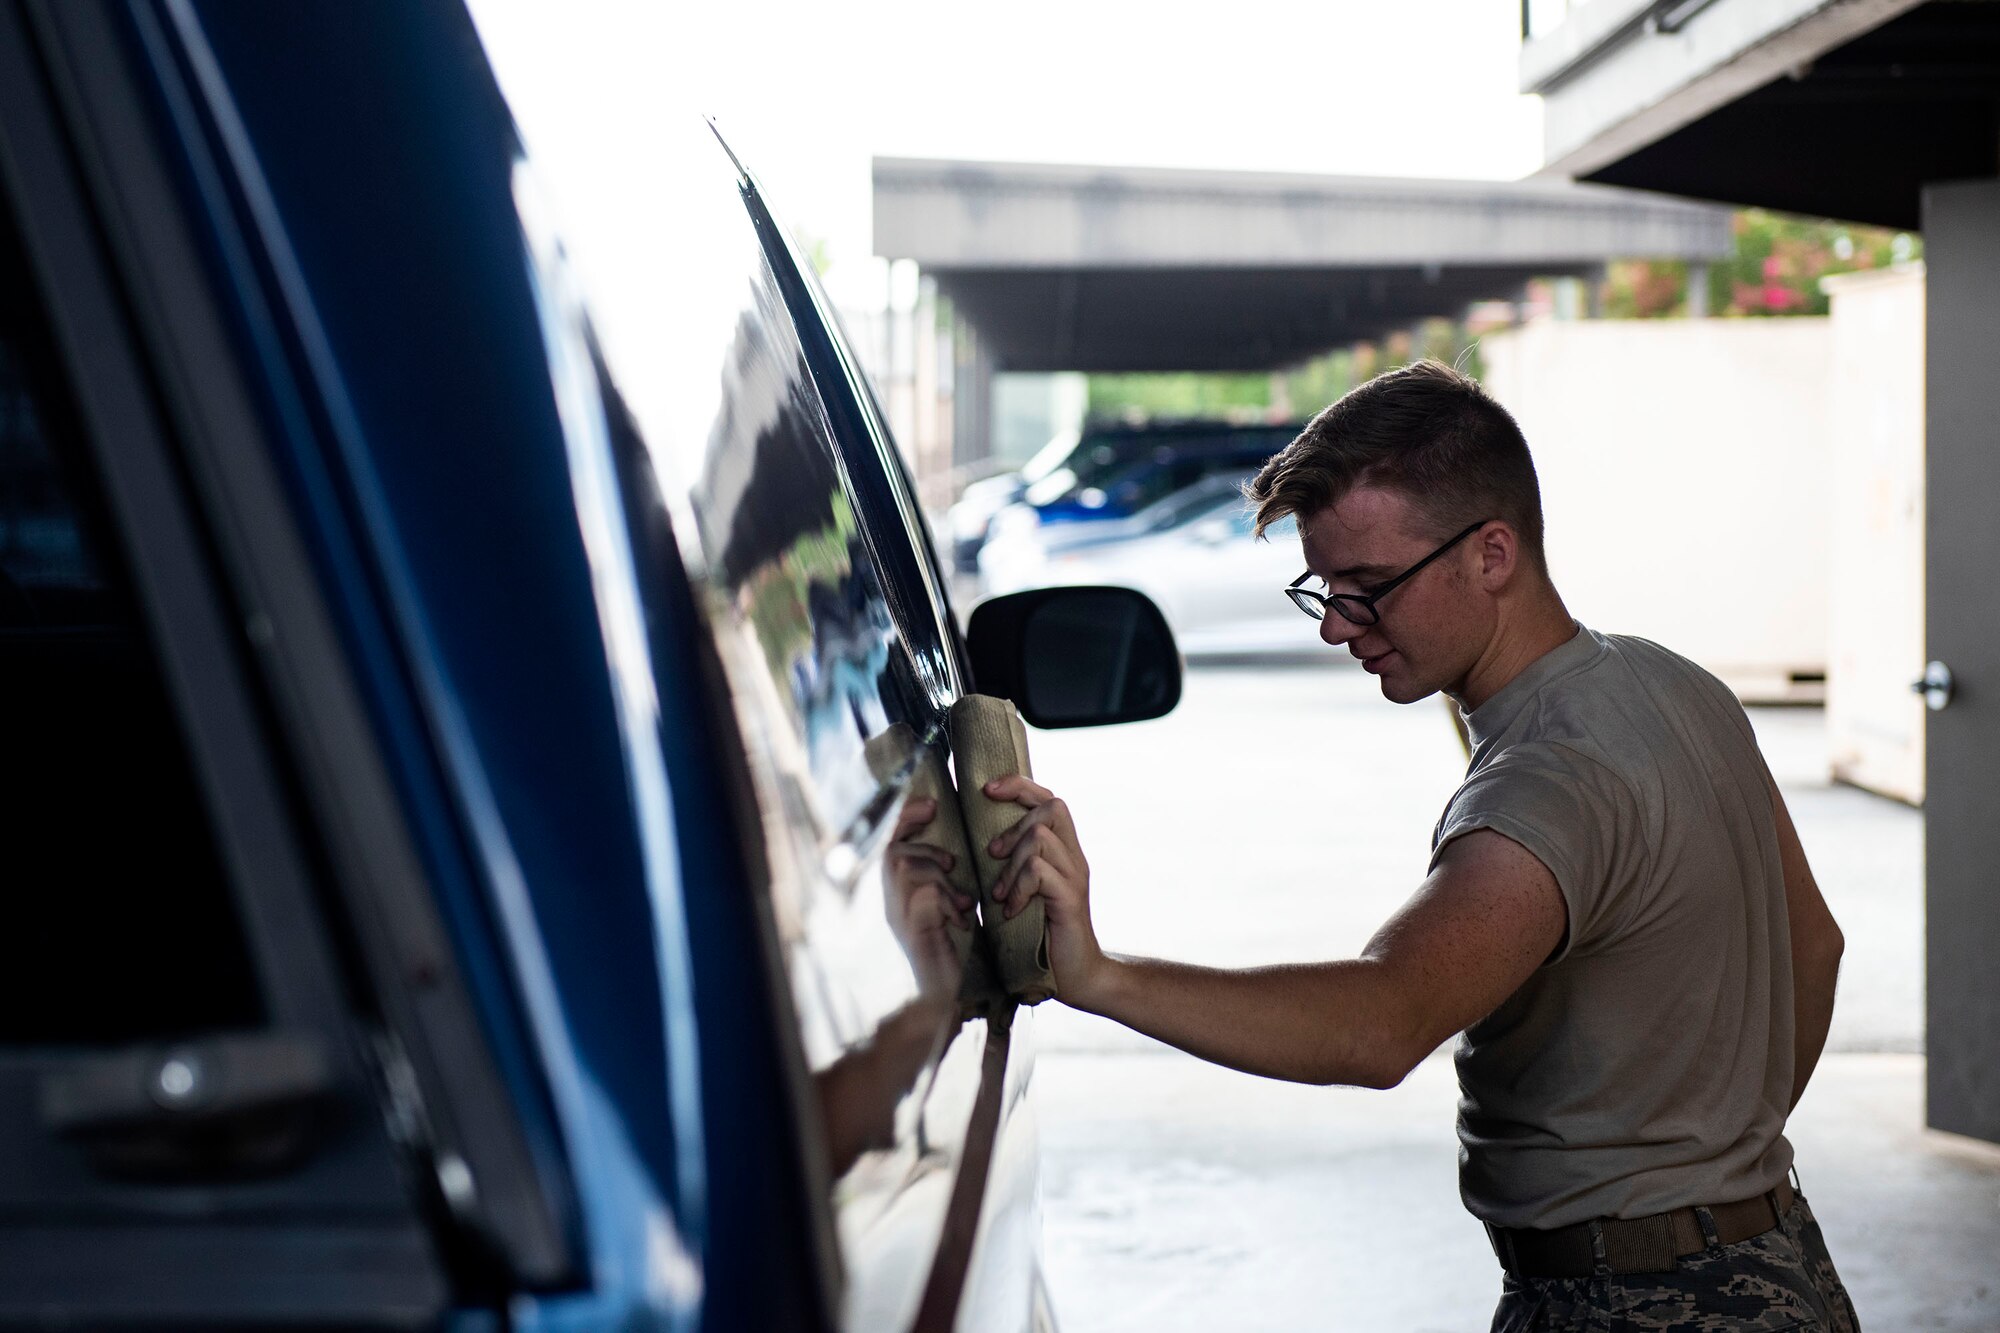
1101, 268
989, 215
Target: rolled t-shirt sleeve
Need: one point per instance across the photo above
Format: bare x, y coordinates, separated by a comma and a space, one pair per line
1567, 809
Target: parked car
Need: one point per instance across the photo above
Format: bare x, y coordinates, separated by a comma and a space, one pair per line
1108, 471
1173, 462
446, 794
1222, 589
970, 517
1018, 553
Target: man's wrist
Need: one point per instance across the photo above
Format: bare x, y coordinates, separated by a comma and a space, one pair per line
1098, 992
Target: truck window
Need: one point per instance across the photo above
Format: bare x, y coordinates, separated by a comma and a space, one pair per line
119, 925
896, 533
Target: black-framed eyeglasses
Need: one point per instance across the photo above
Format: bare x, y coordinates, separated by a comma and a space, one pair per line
1355, 608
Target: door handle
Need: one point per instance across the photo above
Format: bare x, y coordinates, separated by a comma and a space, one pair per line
1935, 685
222, 1105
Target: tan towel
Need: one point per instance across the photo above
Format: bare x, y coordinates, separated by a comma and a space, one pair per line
988, 742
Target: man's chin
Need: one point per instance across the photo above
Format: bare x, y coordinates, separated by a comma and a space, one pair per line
1400, 691
1391, 672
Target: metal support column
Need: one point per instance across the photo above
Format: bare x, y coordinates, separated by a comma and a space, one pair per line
1962, 639
971, 396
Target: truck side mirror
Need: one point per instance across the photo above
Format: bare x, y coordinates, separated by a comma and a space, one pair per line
1076, 656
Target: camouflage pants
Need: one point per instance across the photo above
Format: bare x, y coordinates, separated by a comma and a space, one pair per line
1782, 1279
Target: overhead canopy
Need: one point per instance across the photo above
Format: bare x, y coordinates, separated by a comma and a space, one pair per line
1837, 108
1103, 268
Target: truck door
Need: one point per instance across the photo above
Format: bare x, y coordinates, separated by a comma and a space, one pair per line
190, 1123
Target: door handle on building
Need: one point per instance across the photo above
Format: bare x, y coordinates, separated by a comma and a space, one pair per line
1935, 685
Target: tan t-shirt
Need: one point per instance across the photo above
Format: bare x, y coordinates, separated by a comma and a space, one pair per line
1648, 1065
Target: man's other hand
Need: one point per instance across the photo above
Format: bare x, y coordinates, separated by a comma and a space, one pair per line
1044, 860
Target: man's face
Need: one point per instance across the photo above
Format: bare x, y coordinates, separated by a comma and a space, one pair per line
1430, 629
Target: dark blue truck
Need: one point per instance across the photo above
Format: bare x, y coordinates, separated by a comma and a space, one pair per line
444, 804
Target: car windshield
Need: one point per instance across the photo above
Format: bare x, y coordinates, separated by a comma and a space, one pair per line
1149, 483
1050, 456
1095, 460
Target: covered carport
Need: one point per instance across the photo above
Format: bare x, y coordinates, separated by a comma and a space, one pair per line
1147, 269
1877, 111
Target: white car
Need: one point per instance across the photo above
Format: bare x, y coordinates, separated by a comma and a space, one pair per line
1021, 545
1221, 588
969, 520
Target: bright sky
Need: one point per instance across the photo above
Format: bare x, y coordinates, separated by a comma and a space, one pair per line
807, 93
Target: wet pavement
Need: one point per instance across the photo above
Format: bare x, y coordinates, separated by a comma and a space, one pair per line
1288, 810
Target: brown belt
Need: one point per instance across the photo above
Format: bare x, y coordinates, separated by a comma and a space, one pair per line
1637, 1244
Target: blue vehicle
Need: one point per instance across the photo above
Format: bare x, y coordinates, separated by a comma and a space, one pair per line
445, 792
1110, 470
1172, 460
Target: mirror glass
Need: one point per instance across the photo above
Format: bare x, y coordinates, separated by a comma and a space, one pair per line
1095, 655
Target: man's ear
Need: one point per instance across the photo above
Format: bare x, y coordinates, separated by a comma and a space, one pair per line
1499, 554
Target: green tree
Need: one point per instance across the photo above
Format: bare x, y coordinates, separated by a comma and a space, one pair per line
1178, 395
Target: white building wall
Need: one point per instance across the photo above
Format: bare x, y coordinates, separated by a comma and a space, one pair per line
1684, 467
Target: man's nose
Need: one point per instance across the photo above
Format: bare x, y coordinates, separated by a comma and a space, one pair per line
1336, 629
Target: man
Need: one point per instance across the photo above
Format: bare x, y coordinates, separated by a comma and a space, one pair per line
1618, 917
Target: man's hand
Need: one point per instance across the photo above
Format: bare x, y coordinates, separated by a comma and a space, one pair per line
1044, 861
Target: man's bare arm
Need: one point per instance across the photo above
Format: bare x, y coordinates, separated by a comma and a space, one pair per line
1816, 948
1474, 931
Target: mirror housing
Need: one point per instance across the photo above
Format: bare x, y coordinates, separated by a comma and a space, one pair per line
1076, 656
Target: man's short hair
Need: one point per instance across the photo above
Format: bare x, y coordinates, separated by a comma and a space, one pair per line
1425, 431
